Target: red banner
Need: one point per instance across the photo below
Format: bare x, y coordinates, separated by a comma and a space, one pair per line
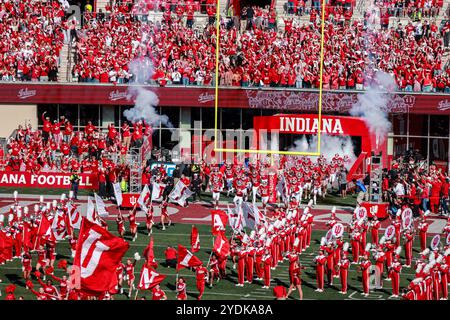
46, 180
278, 99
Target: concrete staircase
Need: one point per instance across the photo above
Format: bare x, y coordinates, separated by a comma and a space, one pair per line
63, 70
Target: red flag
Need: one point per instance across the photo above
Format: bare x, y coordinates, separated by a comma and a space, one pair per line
221, 246
149, 278
45, 229
97, 256
149, 255
186, 259
219, 221
27, 237
195, 240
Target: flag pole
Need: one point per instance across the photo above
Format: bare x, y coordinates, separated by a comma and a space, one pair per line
210, 255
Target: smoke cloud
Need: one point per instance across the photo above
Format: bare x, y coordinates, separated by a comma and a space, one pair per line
145, 100
371, 105
329, 146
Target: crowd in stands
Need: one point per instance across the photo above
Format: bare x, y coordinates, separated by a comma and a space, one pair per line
258, 55
410, 182
31, 38
254, 50
58, 147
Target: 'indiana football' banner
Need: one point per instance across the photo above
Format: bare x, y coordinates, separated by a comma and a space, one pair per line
180, 193
118, 193
143, 198
186, 259
149, 278
219, 221
157, 191
195, 240
221, 246
97, 256
101, 207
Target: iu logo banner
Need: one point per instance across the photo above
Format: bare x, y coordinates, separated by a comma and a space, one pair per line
97, 256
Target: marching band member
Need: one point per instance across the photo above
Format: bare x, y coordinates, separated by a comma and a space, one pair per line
320, 261
365, 265
394, 273
343, 266
423, 228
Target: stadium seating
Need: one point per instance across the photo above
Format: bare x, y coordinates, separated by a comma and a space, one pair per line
31, 38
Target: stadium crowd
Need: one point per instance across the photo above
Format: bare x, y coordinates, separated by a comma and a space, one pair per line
260, 56
31, 38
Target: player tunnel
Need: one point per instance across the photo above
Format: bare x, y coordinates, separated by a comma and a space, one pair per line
277, 131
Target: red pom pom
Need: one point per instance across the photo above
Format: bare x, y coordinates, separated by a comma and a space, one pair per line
29, 284
49, 270
10, 289
62, 264
37, 274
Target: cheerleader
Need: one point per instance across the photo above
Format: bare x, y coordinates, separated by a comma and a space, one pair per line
149, 219
213, 270
26, 265
165, 215
181, 289
129, 272
296, 280
120, 225
133, 224
42, 260
119, 274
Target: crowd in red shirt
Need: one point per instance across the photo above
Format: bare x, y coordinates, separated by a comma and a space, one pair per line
57, 147
31, 37
262, 57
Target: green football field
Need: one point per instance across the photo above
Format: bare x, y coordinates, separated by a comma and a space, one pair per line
225, 289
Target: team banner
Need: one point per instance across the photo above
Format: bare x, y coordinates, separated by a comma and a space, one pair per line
143, 198
101, 207
118, 193
180, 193
219, 221
97, 256
157, 191
46, 180
149, 278
250, 214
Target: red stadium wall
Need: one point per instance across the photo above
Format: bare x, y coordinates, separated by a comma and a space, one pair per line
301, 101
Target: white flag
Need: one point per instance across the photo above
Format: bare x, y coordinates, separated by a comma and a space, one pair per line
118, 193
74, 216
59, 225
90, 211
101, 208
249, 215
180, 193
235, 218
143, 198
157, 191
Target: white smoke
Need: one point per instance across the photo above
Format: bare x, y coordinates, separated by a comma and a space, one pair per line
371, 106
329, 147
145, 100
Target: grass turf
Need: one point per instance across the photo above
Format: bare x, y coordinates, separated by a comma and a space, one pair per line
225, 289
